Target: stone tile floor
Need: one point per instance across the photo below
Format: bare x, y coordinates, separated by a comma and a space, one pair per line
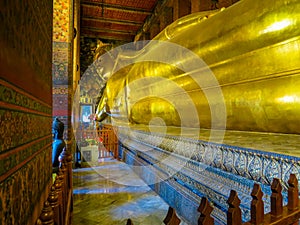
109, 192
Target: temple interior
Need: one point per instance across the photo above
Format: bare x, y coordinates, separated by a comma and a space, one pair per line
149, 112
121, 192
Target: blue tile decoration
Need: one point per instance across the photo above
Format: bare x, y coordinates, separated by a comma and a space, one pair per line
254, 167
187, 169
272, 170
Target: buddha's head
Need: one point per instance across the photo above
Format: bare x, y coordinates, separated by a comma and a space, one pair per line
57, 128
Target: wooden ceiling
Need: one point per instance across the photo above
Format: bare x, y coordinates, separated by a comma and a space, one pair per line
117, 20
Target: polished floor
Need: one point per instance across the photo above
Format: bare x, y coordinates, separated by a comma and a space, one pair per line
109, 192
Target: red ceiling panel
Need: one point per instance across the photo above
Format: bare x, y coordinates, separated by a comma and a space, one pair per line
138, 4
106, 35
124, 15
108, 25
98, 12
91, 11
114, 18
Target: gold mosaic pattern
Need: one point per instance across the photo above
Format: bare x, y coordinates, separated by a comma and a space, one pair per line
61, 20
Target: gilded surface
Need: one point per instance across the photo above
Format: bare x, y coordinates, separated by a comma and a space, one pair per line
251, 49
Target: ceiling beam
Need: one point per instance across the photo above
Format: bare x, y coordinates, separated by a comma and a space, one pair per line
115, 7
132, 33
121, 22
108, 37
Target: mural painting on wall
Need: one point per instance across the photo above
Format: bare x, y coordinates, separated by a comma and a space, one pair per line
90, 48
60, 63
25, 153
91, 76
25, 186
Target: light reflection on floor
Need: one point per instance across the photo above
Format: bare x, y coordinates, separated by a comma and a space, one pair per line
109, 193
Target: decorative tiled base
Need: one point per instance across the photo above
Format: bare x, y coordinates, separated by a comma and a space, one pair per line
182, 170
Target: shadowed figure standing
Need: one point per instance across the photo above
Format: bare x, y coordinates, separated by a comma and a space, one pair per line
58, 143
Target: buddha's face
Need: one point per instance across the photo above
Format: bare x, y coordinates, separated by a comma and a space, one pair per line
57, 129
